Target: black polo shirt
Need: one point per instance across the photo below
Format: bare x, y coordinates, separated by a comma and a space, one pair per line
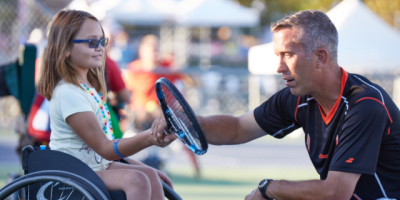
361, 134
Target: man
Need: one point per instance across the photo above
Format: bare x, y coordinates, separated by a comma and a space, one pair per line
351, 125
140, 80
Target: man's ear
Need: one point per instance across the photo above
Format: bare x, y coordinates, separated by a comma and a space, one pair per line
322, 57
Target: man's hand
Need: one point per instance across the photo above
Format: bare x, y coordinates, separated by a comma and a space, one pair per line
165, 178
157, 131
254, 195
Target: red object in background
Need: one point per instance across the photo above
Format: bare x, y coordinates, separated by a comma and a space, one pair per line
141, 84
39, 120
114, 79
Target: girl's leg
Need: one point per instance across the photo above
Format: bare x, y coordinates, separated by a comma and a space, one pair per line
134, 183
157, 192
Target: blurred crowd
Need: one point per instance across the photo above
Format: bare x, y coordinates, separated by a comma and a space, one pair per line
228, 48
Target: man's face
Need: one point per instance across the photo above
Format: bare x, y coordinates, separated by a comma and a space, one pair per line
297, 70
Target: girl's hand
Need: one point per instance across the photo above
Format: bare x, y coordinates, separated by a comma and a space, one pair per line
157, 131
165, 178
160, 143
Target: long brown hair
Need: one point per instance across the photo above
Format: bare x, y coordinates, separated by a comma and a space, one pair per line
56, 65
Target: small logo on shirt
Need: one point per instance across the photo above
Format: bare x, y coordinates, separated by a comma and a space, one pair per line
350, 160
322, 156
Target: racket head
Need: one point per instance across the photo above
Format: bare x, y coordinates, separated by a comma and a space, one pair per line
180, 117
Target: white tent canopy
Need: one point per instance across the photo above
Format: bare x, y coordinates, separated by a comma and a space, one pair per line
367, 44
215, 13
185, 12
143, 12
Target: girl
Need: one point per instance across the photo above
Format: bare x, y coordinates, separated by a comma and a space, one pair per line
73, 81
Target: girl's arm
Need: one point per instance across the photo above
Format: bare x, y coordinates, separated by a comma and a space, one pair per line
86, 126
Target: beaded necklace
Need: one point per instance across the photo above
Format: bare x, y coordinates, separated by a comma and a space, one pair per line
104, 110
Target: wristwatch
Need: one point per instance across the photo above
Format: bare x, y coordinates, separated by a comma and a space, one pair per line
262, 186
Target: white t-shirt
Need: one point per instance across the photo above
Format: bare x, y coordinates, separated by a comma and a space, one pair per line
68, 99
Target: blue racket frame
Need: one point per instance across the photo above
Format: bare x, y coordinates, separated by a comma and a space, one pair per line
174, 125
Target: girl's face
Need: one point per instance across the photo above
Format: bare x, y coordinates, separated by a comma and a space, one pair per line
81, 55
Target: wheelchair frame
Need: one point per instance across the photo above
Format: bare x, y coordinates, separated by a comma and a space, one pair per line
79, 177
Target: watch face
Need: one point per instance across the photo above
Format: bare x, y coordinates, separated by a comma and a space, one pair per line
262, 183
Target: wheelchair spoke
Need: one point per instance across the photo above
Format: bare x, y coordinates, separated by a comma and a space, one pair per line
62, 192
70, 193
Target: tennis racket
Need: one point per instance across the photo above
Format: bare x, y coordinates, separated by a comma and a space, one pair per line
180, 118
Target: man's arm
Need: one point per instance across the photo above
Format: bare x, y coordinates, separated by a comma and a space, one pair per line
337, 186
219, 129
226, 129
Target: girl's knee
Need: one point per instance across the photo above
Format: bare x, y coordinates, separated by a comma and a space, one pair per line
137, 185
151, 174
137, 179
150, 171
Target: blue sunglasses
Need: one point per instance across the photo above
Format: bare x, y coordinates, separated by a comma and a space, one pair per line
94, 43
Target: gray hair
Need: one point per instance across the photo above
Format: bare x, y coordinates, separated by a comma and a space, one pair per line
316, 31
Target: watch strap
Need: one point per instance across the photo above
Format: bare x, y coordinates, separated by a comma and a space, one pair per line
264, 189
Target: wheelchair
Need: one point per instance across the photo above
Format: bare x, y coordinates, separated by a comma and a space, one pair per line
56, 175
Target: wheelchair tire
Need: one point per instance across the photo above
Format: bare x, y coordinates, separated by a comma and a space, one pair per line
24, 183
89, 186
85, 187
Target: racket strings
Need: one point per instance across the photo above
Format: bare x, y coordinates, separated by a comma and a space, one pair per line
180, 114
176, 107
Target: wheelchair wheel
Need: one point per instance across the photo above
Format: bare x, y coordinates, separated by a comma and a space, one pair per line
51, 184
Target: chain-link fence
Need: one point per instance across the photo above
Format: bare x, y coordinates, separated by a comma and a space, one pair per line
235, 91
21, 21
